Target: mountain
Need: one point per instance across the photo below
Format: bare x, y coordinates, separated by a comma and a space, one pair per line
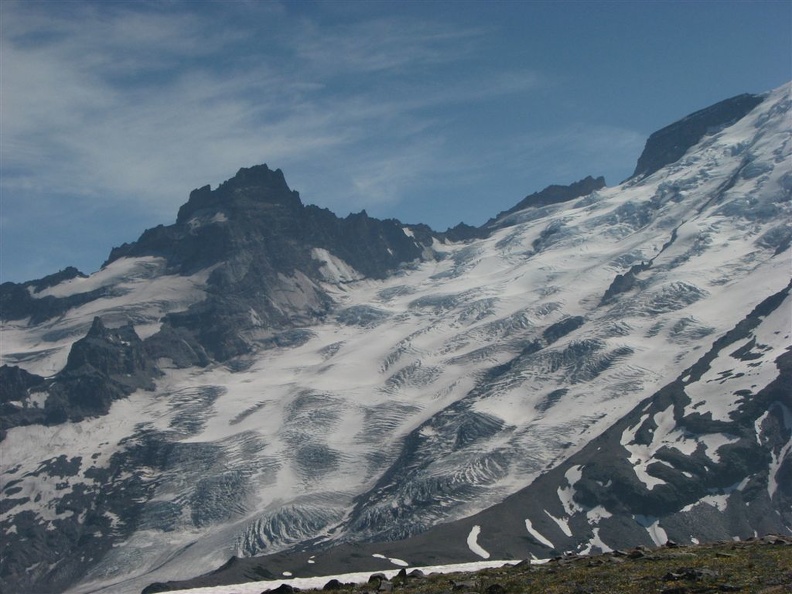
265, 382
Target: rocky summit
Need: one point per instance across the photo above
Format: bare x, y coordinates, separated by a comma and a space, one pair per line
263, 388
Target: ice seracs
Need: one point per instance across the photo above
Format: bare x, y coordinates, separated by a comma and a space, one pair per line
309, 398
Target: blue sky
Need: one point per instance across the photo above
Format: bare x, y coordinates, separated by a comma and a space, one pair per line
434, 112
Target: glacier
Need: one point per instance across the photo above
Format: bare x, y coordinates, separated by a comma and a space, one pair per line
429, 395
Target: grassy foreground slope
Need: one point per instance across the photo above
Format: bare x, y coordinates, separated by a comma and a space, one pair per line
762, 565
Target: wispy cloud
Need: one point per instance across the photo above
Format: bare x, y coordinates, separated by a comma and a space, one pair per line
113, 109
556, 157
134, 104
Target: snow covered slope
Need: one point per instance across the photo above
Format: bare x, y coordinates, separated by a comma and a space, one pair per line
431, 394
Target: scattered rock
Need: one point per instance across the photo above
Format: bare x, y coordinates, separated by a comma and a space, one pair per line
524, 564
332, 585
689, 574
155, 588
282, 589
618, 553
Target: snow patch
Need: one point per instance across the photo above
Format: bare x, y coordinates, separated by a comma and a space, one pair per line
719, 502
595, 541
333, 269
562, 523
596, 514
473, 545
778, 459
653, 528
360, 577
394, 560
714, 441
537, 535
721, 390
566, 494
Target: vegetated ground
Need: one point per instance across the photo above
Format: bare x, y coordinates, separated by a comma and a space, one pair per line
761, 565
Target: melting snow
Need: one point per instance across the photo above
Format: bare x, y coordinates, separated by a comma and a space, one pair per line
719, 502
730, 374
652, 525
596, 514
537, 535
566, 494
395, 561
562, 523
473, 545
94, 441
714, 441
595, 541
334, 269
777, 460
360, 577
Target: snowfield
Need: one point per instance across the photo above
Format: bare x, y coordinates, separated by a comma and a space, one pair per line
346, 578
441, 390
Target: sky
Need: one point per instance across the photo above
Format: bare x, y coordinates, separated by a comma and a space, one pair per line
436, 112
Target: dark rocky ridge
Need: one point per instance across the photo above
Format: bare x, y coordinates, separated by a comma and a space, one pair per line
51, 280
16, 302
260, 237
555, 194
552, 194
257, 211
105, 365
261, 240
669, 144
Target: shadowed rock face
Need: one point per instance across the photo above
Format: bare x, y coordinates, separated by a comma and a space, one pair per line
105, 365
555, 194
552, 194
256, 214
261, 241
668, 144
15, 382
117, 353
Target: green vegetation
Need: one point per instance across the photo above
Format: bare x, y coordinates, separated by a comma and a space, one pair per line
761, 565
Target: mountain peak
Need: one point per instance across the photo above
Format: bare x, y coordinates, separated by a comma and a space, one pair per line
555, 194
250, 186
669, 144
257, 176
98, 329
